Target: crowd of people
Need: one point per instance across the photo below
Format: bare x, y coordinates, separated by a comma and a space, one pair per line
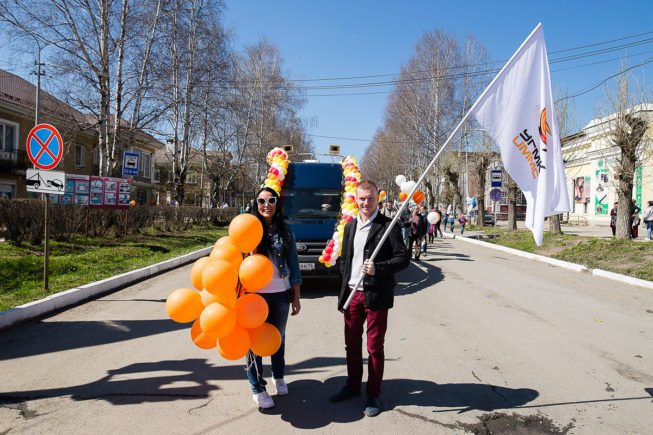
416, 230
634, 219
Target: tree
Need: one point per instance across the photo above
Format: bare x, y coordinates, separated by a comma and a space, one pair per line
566, 120
190, 55
626, 129
103, 48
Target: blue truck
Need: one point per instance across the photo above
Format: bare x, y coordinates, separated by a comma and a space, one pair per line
311, 200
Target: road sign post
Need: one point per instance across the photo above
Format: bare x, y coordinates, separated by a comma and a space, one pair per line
45, 149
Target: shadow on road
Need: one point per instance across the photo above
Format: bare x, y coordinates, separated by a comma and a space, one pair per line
22, 342
416, 278
308, 406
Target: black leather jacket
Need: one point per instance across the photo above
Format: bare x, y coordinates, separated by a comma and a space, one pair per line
393, 257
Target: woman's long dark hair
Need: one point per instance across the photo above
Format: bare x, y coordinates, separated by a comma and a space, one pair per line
278, 225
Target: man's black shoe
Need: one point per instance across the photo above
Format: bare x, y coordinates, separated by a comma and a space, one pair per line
372, 407
345, 393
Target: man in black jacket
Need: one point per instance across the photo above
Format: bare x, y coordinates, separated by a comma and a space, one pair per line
373, 298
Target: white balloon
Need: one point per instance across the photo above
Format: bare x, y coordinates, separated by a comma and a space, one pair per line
433, 218
407, 186
401, 179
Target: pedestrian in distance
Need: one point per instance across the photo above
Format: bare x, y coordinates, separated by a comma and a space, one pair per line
431, 232
373, 298
281, 294
424, 228
417, 233
438, 228
634, 219
613, 219
452, 219
462, 220
648, 220
404, 224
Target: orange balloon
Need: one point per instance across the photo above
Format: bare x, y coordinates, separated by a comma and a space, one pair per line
235, 345
227, 252
251, 310
184, 305
403, 196
226, 298
218, 320
219, 275
223, 240
255, 272
245, 231
265, 340
418, 197
196, 272
202, 339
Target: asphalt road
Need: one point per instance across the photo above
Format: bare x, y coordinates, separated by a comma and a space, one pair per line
477, 339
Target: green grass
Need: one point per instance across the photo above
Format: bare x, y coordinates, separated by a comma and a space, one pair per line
626, 257
82, 261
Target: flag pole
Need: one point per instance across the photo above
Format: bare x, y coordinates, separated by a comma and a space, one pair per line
428, 168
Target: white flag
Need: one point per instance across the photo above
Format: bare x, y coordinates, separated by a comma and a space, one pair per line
517, 111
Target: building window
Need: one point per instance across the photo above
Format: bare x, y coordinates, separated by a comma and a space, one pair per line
157, 175
192, 177
80, 156
8, 139
7, 190
145, 165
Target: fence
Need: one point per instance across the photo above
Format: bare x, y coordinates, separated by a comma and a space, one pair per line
23, 220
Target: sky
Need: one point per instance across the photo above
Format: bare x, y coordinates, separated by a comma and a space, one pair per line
331, 39
337, 38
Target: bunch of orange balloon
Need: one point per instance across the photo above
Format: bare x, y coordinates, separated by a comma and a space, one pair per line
405, 187
226, 312
278, 161
348, 210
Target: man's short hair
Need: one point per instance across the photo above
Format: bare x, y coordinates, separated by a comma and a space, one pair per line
368, 185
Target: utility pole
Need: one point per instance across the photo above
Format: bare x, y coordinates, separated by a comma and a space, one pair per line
46, 253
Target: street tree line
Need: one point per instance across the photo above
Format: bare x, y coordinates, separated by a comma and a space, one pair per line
168, 68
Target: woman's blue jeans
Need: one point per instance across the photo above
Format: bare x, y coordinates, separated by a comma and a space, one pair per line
278, 308
649, 229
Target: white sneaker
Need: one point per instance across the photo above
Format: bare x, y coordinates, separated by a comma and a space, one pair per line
282, 388
263, 400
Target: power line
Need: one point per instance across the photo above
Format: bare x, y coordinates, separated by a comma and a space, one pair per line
469, 65
584, 91
493, 71
439, 77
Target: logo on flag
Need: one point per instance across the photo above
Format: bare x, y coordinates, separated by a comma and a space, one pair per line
517, 110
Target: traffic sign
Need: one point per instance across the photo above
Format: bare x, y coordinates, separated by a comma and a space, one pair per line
44, 146
130, 164
51, 182
496, 177
495, 195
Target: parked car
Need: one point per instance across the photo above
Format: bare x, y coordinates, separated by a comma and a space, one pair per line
488, 219
56, 183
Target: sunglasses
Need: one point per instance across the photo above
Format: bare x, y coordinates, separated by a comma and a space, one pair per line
270, 201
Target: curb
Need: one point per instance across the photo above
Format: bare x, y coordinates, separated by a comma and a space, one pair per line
623, 278
559, 263
74, 296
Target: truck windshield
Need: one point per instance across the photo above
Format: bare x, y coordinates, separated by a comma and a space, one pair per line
323, 203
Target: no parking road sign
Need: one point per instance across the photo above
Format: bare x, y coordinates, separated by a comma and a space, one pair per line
495, 195
44, 146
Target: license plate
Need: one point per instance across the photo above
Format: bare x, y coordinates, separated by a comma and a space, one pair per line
306, 266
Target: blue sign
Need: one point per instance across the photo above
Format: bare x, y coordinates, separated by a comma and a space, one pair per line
495, 195
496, 177
130, 164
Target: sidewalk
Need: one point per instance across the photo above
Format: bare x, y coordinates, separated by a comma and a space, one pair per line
598, 231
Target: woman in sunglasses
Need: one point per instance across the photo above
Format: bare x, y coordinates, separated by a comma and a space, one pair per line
282, 293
